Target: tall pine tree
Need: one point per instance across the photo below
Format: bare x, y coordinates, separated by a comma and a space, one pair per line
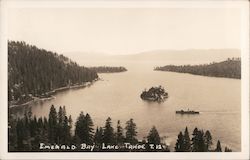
108, 134
195, 145
131, 132
89, 130
52, 125
98, 137
208, 140
60, 125
153, 136
79, 129
186, 141
179, 146
119, 133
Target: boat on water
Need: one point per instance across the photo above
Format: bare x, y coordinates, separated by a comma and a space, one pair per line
187, 112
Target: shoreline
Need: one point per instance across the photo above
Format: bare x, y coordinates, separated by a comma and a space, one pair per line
51, 93
200, 75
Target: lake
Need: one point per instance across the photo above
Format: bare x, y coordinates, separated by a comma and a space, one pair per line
117, 95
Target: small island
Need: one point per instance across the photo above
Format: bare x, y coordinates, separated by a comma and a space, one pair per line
106, 69
155, 94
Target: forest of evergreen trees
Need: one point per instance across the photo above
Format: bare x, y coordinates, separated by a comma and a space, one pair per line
231, 68
35, 72
106, 69
26, 134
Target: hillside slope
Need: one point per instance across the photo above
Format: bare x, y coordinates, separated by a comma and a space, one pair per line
34, 72
230, 68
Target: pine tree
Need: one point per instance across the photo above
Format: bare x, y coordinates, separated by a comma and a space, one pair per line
77, 140
60, 131
202, 147
98, 137
119, 133
131, 132
45, 134
84, 128
52, 125
186, 141
108, 134
80, 125
208, 140
153, 136
218, 147
61, 116
70, 124
66, 136
179, 146
195, 145
64, 111
34, 133
89, 134
40, 134
198, 141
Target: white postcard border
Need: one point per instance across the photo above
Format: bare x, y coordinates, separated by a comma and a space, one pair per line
243, 5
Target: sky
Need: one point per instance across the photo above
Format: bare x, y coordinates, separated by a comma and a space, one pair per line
125, 30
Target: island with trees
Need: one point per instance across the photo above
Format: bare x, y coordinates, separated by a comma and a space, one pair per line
35, 73
106, 69
56, 133
155, 94
231, 68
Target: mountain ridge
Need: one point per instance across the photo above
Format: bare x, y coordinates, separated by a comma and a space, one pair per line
186, 56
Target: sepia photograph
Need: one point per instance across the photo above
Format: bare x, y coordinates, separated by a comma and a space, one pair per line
135, 78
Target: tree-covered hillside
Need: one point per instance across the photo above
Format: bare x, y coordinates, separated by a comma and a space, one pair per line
34, 72
231, 68
105, 69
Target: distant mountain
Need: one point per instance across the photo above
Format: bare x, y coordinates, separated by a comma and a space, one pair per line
231, 68
191, 56
89, 58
